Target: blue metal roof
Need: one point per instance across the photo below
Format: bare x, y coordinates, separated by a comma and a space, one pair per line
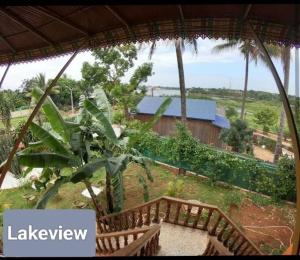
221, 121
196, 109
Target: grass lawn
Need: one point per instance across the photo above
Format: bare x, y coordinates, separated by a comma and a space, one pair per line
194, 188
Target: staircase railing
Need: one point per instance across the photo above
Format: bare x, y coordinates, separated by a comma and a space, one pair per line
146, 245
180, 212
108, 243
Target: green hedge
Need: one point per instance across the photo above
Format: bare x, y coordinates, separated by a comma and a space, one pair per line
184, 151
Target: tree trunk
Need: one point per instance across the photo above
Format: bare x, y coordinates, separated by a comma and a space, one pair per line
181, 80
286, 68
99, 210
245, 87
109, 197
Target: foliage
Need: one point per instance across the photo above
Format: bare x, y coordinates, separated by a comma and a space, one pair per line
72, 153
238, 136
5, 110
110, 67
175, 188
6, 144
260, 200
233, 198
266, 118
184, 151
231, 113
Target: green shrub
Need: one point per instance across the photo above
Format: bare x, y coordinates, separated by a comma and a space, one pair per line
233, 198
182, 150
175, 188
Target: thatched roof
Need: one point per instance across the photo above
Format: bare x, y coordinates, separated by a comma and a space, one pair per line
38, 32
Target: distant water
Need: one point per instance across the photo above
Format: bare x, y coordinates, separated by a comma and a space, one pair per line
163, 92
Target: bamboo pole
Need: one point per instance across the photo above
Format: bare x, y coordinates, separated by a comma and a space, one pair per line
6, 166
4, 75
293, 132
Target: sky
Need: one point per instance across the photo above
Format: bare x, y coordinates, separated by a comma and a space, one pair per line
206, 69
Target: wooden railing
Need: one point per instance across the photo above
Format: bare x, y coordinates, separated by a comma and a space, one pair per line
214, 247
108, 243
146, 245
180, 212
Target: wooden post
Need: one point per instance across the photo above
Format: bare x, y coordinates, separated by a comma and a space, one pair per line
293, 132
3, 77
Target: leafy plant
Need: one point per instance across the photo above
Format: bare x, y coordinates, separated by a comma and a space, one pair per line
175, 188
72, 153
239, 137
266, 118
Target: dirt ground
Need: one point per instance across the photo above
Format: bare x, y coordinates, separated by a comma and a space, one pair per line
263, 154
267, 226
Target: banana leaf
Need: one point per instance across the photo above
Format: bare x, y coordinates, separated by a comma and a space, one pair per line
87, 170
52, 113
117, 164
42, 202
118, 191
48, 139
103, 103
106, 128
46, 160
158, 114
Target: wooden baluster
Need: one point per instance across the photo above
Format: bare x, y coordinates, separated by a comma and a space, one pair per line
105, 226
236, 250
117, 238
177, 212
208, 219
140, 220
104, 245
148, 215
99, 226
232, 244
110, 245
135, 236
166, 219
156, 218
99, 246
225, 242
126, 240
142, 251
133, 219
244, 249
197, 217
188, 215
126, 221
222, 231
213, 230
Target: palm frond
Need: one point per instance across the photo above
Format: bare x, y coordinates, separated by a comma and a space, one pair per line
152, 49
225, 46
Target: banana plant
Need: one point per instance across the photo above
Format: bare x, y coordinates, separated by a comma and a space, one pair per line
71, 152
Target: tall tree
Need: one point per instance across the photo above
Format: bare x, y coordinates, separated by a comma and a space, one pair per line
180, 47
286, 60
251, 52
5, 111
108, 70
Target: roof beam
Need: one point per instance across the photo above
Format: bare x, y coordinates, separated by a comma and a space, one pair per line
7, 44
181, 12
116, 15
247, 11
24, 24
58, 18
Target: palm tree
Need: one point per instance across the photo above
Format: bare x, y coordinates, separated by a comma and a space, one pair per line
251, 52
285, 60
40, 82
179, 47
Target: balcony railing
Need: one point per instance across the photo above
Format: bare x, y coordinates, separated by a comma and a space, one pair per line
180, 212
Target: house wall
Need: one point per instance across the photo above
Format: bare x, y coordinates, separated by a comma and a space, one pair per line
205, 131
